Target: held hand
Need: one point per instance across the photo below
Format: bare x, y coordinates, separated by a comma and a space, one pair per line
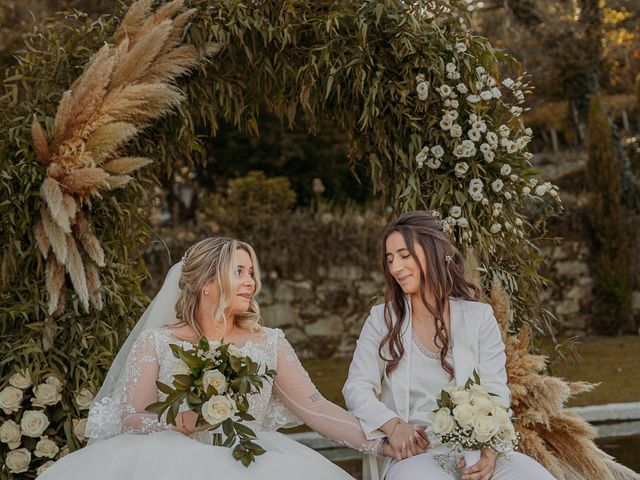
186, 422
483, 469
407, 440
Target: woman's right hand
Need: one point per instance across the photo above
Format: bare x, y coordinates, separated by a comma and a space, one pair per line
405, 439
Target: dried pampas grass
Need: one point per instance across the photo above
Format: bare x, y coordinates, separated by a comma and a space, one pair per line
553, 435
126, 85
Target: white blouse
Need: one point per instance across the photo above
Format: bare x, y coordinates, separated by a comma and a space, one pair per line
427, 379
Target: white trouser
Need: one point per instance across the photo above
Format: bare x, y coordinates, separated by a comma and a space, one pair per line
423, 467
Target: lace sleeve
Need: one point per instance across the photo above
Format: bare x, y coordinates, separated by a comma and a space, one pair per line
294, 388
140, 389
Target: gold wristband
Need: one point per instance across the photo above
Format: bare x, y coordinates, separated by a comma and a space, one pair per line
394, 427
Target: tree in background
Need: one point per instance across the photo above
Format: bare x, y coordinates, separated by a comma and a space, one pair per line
609, 237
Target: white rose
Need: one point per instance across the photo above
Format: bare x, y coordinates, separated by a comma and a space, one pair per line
41, 469
181, 368
10, 432
84, 399
460, 396
464, 414
79, 426
461, 169
10, 399
437, 151
495, 228
486, 95
235, 351
34, 423
17, 461
483, 405
434, 163
484, 428
455, 211
46, 448
443, 422
456, 131
55, 381
473, 99
501, 417
462, 222
217, 409
497, 185
215, 379
505, 170
45, 394
21, 379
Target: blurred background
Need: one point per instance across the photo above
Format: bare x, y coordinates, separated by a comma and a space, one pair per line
289, 185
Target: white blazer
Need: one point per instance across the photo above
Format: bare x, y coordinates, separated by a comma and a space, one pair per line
375, 397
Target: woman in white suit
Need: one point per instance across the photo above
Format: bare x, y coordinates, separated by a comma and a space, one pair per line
430, 333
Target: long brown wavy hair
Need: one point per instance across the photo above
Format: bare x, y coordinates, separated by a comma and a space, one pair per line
445, 279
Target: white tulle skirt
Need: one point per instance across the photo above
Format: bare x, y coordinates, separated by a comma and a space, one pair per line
169, 455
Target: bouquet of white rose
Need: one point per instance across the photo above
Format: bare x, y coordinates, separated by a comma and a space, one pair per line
215, 380
469, 418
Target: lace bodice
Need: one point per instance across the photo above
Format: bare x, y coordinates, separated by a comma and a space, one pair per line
289, 400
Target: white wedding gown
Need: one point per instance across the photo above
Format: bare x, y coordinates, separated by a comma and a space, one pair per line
148, 449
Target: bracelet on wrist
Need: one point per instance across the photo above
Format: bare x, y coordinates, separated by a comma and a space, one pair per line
383, 443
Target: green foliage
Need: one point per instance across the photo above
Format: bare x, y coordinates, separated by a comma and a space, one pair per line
609, 238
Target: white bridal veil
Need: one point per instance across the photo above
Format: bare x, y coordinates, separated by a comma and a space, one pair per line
105, 414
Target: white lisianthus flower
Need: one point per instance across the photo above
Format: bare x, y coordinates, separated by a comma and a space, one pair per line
79, 426
526, 191
423, 90
444, 90
475, 186
21, 380
460, 47
451, 67
443, 422
474, 135
473, 99
434, 163
504, 131
486, 95
497, 185
495, 228
437, 151
181, 368
492, 138
459, 151
42, 468
455, 211
215, 379
484, 428
462, 88
461, 169
34, 423
84, 399
10, 399
495, 92
464, 414
45, 394
462, 222
505, 169
46, 448
217, 409
446, 123
479, 125
10, 432
485, 148
17, 461
508, 82
456, 131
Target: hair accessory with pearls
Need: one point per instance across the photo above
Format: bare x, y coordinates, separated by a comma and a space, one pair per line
448, 258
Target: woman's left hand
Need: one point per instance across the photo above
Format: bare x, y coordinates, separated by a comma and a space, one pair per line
483, 468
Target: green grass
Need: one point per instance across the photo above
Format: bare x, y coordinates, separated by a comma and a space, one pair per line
615, 362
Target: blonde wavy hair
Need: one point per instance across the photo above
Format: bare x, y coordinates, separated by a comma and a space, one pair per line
214, 258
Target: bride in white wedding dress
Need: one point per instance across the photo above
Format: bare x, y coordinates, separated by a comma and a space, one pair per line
210, 293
